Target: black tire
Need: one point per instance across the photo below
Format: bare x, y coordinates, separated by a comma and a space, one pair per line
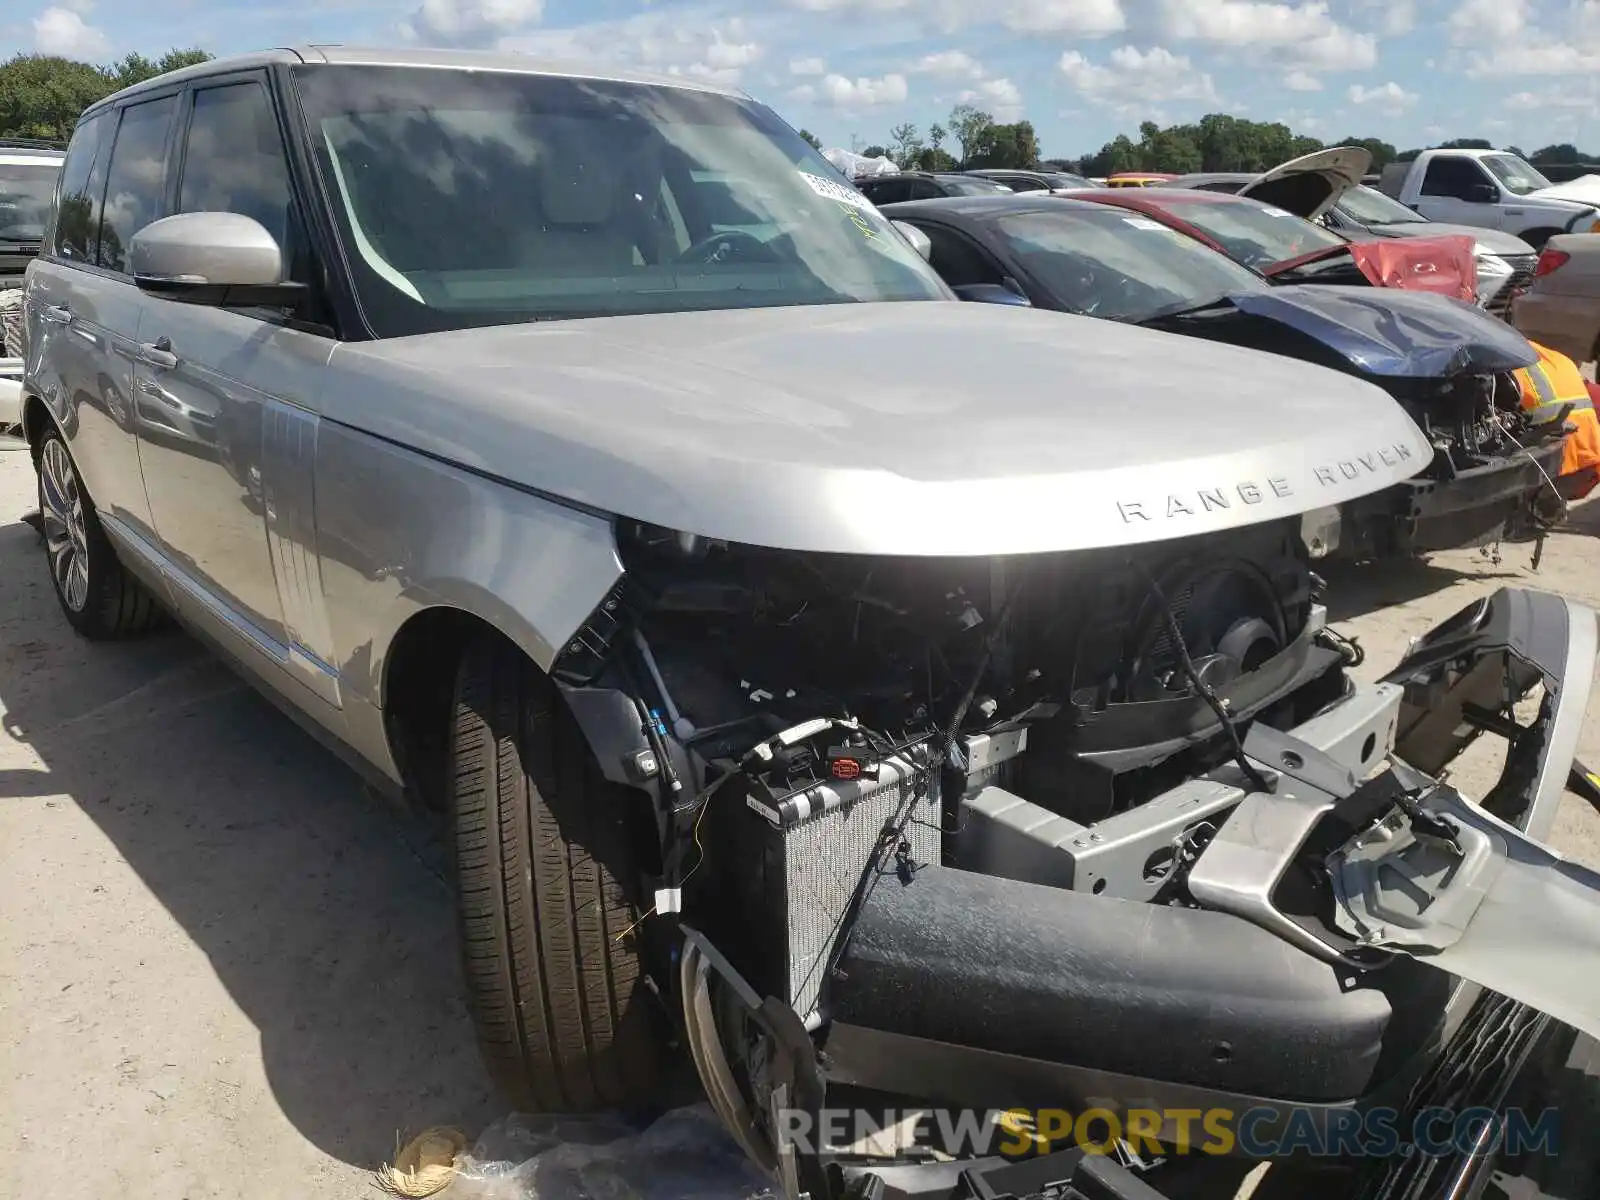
545, 857
100, 598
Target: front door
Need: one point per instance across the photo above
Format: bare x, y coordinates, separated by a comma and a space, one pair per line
227, 429
1447, 186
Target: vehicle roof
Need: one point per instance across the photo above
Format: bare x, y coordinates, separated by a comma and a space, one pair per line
1160, 197
476, 60
980, 206
1216, 177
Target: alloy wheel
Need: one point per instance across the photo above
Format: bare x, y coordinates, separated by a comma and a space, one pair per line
65, 539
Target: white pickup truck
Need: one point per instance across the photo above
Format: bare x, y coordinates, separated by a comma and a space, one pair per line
1493, 189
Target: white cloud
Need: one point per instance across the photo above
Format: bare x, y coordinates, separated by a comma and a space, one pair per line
717, 52
1086, 18
949, 64
804, 94
1536, 58
1390, 95
1001, 98
1131, 77
1487, 22
1396, 18
1302, 81
62, 31
469, 22
1301, 34
808, 67
839, 92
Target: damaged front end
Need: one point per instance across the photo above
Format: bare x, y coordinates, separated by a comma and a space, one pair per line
1107, 829
1492, 476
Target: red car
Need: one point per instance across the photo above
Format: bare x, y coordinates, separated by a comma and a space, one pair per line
1287, 248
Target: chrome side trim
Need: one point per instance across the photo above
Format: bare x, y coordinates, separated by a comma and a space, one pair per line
305, 667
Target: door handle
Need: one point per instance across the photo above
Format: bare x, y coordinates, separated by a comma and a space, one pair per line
55, 314
158, 354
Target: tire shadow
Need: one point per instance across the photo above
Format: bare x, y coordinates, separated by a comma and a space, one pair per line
323, 911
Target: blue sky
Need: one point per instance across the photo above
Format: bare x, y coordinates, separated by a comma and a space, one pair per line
1524, 72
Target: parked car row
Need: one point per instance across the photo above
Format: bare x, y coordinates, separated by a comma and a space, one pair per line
871, 694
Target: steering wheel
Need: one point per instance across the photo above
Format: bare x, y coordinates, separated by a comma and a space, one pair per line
727, 246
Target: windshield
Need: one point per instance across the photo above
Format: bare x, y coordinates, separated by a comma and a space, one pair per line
1368, 206
27, 190
1256, 234
474, 198
1514, 174
1120, 265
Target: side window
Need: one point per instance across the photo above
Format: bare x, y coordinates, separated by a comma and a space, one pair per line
1021, 183
135, 180
83, 179
1452, 177
234, 160
890, 191
925, 189
957, 260
1221, 185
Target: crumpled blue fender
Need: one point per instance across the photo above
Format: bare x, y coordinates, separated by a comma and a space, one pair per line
1384, 331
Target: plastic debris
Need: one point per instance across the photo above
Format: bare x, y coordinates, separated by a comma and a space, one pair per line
425, 1164
858, 166
684, 1155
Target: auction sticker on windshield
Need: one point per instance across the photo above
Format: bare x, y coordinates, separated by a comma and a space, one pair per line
1145, 223
837, 191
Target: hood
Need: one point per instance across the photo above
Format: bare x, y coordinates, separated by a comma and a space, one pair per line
1310, 185
1584, 190
918, 428
1445, 266
1394, 333
1486, 241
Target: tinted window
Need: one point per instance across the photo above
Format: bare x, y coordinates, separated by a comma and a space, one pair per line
958, 260
234, 159
135, 180
887, 191
971, 186
1255, 234
1119, 264
925, 189
1452, 177
473, 198
1230, 186
1023, 183
82, 180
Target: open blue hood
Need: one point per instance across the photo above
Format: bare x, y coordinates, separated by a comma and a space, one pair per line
1385, 331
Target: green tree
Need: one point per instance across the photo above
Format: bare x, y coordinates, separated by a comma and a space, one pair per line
1466, 144
1562, 152
907, 144
936, 136
41, 95
1015, 146
973, 129
1383, 153
875, 152
931, 158
811, 139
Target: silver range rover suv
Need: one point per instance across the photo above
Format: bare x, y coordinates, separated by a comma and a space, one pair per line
583, 457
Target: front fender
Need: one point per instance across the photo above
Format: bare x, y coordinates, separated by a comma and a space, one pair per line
399, 532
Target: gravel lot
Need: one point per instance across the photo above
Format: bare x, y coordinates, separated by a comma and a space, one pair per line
226, 969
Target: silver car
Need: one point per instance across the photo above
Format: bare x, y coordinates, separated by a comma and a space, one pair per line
853, 686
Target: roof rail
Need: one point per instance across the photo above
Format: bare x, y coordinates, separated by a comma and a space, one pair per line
15, 143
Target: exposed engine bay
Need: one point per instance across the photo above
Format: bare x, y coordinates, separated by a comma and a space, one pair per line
923, 820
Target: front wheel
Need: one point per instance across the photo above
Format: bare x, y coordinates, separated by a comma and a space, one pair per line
100, 599
546, 853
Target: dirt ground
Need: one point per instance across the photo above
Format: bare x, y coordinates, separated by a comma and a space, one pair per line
227, 970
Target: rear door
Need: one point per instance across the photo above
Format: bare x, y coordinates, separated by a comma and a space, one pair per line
229, 427
84, 308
